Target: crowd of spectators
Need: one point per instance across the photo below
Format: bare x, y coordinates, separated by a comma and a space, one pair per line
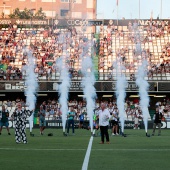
133, 111
132, 108
164, 107
155, 29
47, 45
132, 54
163, 66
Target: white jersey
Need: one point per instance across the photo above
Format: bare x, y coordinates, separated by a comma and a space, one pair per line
104, 117
115, 115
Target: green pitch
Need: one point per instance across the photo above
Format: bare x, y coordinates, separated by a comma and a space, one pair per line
134, 152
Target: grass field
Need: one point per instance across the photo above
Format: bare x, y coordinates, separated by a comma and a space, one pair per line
134, 152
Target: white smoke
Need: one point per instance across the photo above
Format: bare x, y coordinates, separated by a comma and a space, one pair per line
30, 81
121, 85
88, 87
140, 78
88, 80
65, 82
143, 91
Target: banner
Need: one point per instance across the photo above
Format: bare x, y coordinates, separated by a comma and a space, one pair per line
81, 22
128, 124
76, 86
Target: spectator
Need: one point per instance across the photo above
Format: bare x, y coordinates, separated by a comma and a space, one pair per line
136, 119
9, 103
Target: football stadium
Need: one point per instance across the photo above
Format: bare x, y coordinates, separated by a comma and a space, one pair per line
82, 89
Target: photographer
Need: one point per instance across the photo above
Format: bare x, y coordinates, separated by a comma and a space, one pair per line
157, 121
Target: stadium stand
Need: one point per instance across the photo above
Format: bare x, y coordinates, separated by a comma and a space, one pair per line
52, 108
108, 45
154, 41
111, 42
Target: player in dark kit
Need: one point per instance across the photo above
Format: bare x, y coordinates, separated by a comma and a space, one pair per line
20, 115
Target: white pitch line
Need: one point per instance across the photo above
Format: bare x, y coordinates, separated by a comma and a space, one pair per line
131, 150
54, 149
87, 156
22, 149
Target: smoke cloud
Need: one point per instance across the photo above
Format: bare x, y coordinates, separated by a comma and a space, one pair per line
143, 91
65, 82
88, 80
140, 77
121, 85
30, 81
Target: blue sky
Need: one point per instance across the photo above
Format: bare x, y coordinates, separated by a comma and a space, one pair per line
129, 9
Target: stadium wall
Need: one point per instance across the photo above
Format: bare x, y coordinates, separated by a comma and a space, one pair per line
128, 124
76, 86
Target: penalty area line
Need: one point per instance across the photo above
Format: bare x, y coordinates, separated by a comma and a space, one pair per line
87, 156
